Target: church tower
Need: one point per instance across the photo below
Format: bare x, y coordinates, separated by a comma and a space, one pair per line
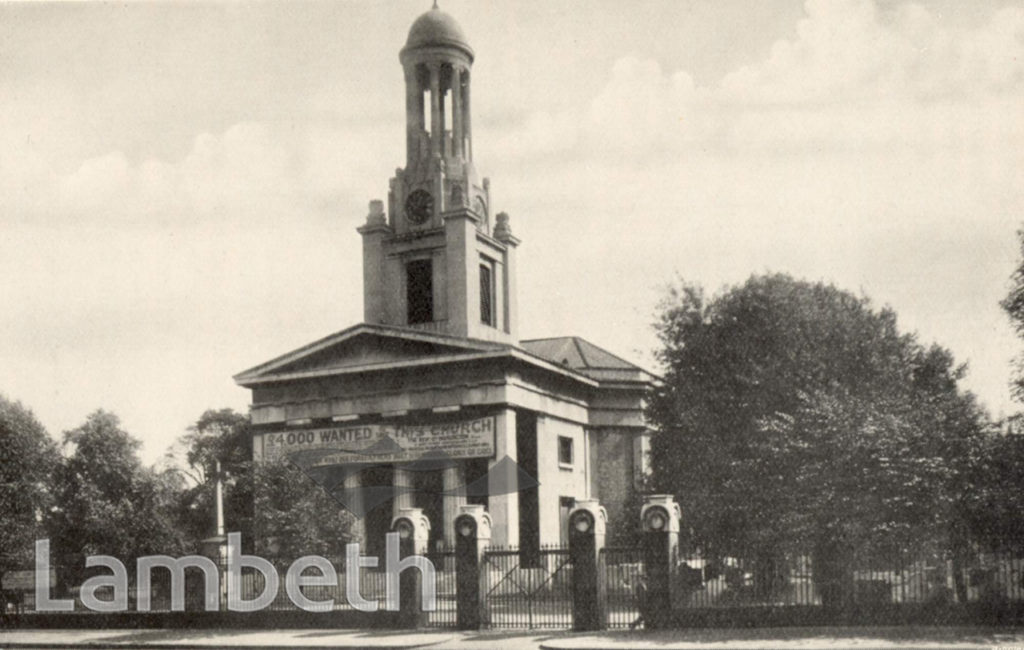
433, 402
437, 261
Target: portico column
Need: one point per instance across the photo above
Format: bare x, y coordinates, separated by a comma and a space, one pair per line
503, 482
454, 482
352, 486
403, 497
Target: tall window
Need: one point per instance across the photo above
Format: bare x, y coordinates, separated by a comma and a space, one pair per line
565, 451
486, 294
419, 291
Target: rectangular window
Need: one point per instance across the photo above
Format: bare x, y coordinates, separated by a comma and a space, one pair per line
486, 295
419, 291
564, 451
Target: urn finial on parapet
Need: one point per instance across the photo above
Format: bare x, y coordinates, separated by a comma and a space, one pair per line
376, 217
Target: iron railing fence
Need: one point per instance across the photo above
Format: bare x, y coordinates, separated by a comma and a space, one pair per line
533, 588
623, 568
445, 611
528, 588
858, 578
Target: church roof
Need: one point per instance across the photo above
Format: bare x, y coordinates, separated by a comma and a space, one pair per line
371, 347
437, 28
585, 357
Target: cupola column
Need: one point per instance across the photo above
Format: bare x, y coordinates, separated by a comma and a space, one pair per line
413, 114
436, 118
457, 117
466, 124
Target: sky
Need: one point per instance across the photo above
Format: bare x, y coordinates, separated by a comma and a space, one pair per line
180, 182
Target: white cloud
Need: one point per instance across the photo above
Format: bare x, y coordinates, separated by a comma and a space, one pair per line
850, 79
250, 173
844, 52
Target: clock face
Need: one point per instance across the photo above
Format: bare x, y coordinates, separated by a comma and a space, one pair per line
481, 210
419, 206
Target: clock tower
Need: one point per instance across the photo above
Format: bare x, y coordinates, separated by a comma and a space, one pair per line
437, 260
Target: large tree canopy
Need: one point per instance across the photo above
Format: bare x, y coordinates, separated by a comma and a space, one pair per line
795, 414
28, 457
108, 503
218, 436
279, 510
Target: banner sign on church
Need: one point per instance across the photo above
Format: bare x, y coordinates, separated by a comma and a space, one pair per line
379, 443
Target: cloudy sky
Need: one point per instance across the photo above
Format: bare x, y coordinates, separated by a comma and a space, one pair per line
180, 183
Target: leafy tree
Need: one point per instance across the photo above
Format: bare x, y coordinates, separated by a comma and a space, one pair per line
793, 415
28, 457
994, 506
294, 515
278, 509
107, 501
1013, 304
218, 436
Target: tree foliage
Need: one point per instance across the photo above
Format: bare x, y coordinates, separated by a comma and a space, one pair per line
28, 458
295, 516
1013, 304
222, 436
793, 414
279, 510
107, 502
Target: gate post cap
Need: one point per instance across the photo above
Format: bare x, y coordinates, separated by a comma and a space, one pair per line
596, 512
660, 514
420, 523
480, 515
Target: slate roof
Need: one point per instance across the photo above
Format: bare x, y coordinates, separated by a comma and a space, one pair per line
584, 357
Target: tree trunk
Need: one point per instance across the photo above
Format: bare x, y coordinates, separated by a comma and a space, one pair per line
832, 563
958, 542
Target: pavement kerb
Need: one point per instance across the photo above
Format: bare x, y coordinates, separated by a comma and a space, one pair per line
311, 639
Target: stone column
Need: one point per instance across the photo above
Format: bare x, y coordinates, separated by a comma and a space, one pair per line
403, 498
352, 485
413, 114
436, 119
467, 122
502, 482
454, 479
457, 112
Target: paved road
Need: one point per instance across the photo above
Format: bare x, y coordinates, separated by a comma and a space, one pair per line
902, 638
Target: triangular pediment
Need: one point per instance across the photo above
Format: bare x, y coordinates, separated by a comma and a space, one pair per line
365, 347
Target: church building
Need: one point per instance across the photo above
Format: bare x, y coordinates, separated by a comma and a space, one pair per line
434, 401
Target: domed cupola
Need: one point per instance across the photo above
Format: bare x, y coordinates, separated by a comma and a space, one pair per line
437, 29
439, 174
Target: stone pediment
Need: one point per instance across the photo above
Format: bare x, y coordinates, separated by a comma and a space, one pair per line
365, 347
